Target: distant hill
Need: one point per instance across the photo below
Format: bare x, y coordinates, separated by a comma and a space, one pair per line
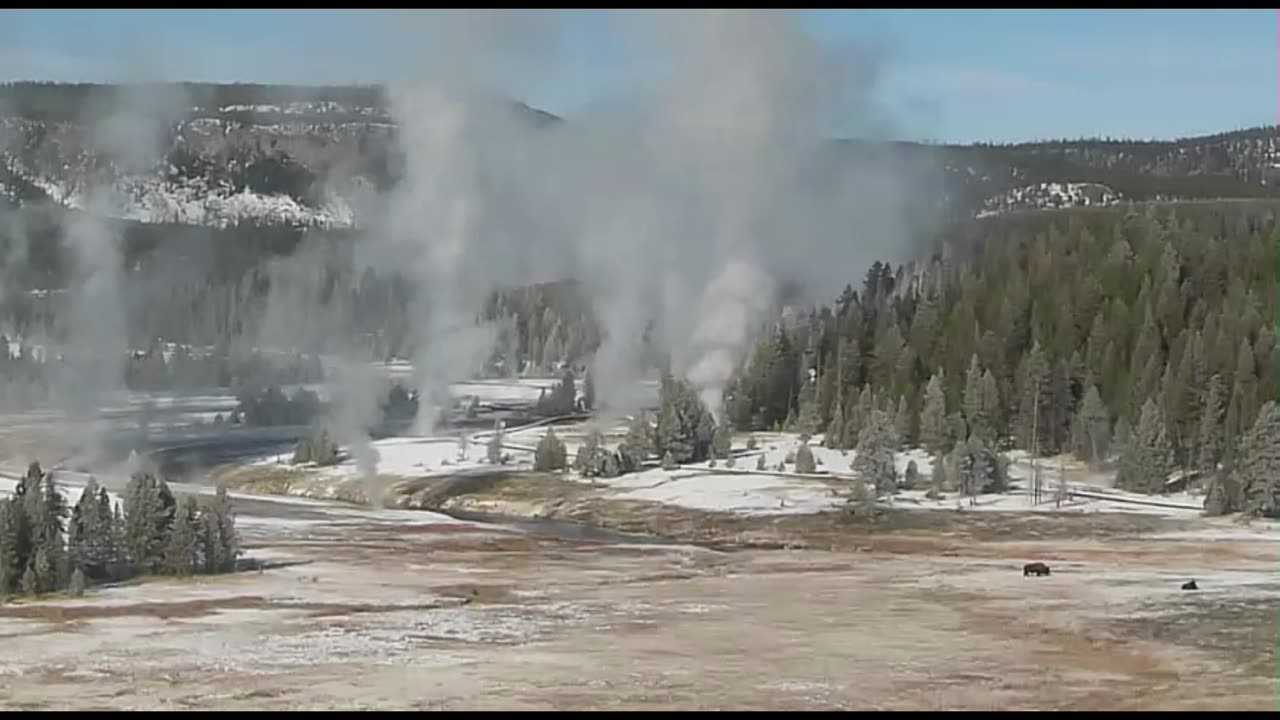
303, 157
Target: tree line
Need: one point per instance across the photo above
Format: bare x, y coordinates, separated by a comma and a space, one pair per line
1144, 337
46, 546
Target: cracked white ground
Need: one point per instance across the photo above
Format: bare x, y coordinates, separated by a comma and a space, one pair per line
412, 610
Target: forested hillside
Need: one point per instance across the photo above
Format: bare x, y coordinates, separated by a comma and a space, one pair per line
1147, 333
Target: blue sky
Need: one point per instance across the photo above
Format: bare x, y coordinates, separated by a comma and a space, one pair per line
956, 75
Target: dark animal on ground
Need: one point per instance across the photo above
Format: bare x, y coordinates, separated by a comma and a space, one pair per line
1035, 568
1190, 585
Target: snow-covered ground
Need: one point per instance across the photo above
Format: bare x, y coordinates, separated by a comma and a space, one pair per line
745, 490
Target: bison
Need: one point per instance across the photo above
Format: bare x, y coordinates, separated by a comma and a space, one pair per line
1035, 568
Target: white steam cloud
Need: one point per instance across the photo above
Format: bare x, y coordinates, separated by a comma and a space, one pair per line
128, 129
686, 205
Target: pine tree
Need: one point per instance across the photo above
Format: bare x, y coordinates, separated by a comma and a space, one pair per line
976, 412
685, 427
78, 582
925, 327
991, 408
861, 501
1037, 394
76, 545
30, 581
611, 467
834, 438
549, 456
88, 528
808, 421
911, 479
146, 526
902, 423
45, 572
209, 539
981, 468
118, 546
1232, 425
638, 445
493, 451
668, 462
861, 411
1245, 385
938, 481
1210, 435
9, 569
590, 459
933, 417
1178, 402
1221, 496
228, 537
55, 539
804, 460
873, 460
181, 554
721, 443
588, 392
960, 465
1094, 426
1148, 458
1258, 469
957, 429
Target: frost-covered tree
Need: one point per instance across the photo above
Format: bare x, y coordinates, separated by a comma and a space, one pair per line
834, 438
638, 445
979, 467
685, 428
902, 423
316, 448
874, 455
933, 417
78, 583
804, 460
590, 459
1092, 425
669, 462
911, 478
721, 442
550, 455
493, 451
976, 411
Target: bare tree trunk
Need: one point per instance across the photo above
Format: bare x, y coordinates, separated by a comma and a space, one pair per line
1035, 421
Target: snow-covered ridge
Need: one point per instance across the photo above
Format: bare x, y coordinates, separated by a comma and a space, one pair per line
59, 160
152, 199
1049, 195
323, 107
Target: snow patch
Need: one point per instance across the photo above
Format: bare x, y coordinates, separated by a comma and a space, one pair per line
1046, 195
